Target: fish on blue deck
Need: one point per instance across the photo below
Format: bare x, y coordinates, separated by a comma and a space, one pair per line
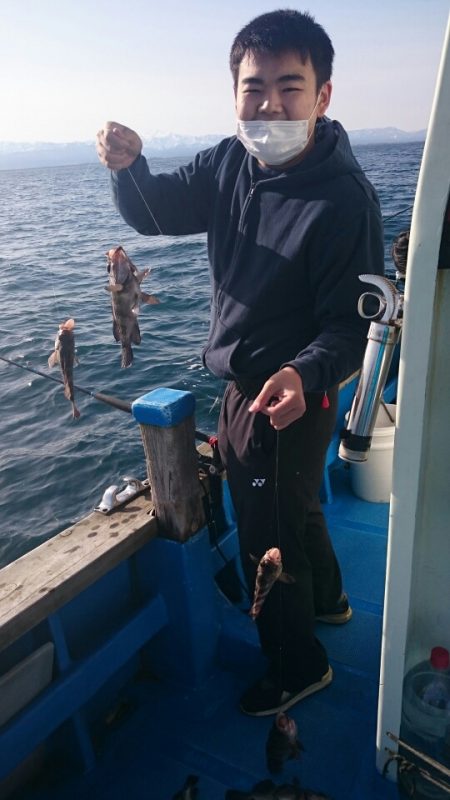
282, 743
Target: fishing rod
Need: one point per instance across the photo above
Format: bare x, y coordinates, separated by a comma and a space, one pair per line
115, 402
109, 400
397, 213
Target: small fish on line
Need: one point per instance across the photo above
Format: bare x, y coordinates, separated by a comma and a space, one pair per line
189, 790
282, 743
126, 295
64, 355
270, 570
268, 790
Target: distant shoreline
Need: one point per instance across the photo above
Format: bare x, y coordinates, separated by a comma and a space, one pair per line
18, 156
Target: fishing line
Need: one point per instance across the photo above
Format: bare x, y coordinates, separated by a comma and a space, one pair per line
278, 529
145, 202
55, 300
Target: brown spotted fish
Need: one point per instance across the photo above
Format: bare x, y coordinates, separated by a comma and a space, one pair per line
126, 295
270, 569
283, 742
64, 355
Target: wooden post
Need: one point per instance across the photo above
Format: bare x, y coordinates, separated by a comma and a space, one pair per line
166, 419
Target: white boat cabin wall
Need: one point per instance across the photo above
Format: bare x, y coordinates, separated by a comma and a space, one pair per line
417, 598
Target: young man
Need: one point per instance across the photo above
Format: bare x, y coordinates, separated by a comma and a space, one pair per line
291, 223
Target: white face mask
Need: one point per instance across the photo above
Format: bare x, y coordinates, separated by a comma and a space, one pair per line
274, 142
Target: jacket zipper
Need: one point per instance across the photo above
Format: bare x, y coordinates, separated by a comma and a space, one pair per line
250, 194
240, 228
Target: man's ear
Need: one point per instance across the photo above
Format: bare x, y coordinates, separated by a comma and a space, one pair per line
324, 98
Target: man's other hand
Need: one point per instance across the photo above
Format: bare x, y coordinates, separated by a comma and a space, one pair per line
117, 146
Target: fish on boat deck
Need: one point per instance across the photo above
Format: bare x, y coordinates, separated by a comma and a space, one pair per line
270, 569
282, 743
64, 355
126, 295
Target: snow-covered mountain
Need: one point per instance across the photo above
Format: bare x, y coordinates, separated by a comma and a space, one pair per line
21, 155
385, 136
175, 144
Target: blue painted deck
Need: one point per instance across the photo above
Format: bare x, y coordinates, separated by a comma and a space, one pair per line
166, 734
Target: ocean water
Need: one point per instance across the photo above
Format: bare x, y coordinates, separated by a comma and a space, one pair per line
55, 227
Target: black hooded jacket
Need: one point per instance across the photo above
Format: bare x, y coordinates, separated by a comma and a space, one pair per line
285, 250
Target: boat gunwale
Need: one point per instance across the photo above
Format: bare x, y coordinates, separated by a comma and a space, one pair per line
49, 576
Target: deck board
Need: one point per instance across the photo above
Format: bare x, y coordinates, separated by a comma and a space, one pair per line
43, 580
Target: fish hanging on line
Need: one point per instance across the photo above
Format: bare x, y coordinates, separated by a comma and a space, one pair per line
126, 295
282, 743
270, 569
64, 355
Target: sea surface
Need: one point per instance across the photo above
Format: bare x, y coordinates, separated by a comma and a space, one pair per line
55, 227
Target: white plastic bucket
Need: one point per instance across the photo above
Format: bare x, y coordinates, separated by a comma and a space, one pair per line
372, 479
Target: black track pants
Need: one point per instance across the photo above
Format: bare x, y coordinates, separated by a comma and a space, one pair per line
274, 481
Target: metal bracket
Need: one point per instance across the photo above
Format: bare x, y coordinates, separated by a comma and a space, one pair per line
115, 497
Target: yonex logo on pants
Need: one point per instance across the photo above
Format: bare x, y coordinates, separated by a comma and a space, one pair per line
258, 481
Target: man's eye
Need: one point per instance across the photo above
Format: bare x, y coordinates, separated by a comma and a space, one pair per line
292, 89
251, 91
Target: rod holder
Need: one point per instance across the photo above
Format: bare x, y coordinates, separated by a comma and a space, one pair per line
384, 334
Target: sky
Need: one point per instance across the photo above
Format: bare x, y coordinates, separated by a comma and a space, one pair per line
67, 66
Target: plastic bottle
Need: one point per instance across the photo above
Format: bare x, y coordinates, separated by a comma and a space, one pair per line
426, 716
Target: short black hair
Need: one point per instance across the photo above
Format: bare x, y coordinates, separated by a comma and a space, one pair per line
283, 31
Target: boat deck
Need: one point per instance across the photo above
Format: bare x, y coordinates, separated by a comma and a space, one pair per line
161, 736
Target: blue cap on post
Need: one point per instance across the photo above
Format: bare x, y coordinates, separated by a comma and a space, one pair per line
163, 407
